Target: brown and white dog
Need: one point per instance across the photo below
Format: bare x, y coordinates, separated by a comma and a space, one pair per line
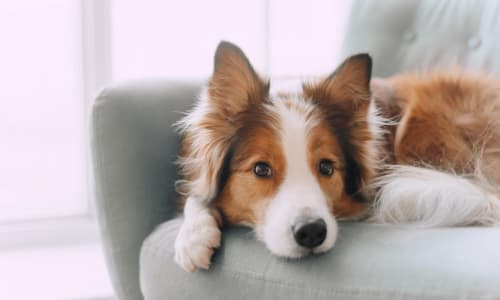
413, 149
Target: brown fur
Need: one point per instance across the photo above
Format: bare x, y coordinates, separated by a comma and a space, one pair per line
244, 196
444, 121
233, 89
447, 120
324, 144
221, 147
345, 98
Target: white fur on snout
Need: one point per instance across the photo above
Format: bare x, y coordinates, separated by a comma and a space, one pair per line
299, 196
292, 203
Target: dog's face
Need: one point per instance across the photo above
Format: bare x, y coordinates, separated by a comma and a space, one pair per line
284, 164
284, 178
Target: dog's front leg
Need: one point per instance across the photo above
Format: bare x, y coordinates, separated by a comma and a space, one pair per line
198, 236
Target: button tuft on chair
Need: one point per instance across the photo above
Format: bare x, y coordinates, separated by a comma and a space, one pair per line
409, 36
474, 42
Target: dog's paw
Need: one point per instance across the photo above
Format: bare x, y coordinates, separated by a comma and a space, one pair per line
196, 241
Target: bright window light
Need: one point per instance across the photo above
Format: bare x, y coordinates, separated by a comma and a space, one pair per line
283, 39
178, 39
42, 145
305, 36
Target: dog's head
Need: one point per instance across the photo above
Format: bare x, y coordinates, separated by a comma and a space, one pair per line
284, 164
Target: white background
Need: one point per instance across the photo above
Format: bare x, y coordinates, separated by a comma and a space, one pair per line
42, 119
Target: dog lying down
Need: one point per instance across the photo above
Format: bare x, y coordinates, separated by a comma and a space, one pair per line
417, 149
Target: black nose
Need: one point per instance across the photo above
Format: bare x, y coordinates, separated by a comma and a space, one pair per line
310, 233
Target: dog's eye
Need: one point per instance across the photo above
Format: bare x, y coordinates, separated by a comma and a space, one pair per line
326, 167
262, 169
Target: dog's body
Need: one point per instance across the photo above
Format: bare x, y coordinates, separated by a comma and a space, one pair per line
425, 148
444, 147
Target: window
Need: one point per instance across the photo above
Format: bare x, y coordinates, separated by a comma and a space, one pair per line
160, 38
42, 145
48, 237
283, 39
305, 37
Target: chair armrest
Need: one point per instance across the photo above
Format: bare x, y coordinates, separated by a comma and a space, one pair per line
134, 147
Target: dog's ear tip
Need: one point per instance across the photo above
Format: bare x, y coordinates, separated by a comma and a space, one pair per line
363, 55
363, 58
228, 53
226, 46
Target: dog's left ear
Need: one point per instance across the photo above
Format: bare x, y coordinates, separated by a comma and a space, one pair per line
345, 97
210, 128
234, 86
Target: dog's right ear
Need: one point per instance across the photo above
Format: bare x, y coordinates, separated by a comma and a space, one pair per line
209, 129
234, 86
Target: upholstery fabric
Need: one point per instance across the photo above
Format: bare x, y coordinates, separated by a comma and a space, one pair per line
368, 262
415, 35
134, 149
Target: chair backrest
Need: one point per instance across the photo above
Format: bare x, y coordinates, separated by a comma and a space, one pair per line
412, 35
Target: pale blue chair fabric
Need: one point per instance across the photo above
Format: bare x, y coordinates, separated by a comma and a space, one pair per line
413, 35
134, 147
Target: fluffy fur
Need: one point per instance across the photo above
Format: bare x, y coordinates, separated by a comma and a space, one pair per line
425, 197
419, 150
442, 149
237, 124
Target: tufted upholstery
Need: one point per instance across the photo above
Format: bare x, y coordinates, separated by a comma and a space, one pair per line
134, 147
418, 34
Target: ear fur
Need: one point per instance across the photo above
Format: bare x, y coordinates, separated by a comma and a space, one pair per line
345, 97
234, 85
210, 127
347, 87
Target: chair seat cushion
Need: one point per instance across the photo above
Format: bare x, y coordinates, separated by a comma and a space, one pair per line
368, 262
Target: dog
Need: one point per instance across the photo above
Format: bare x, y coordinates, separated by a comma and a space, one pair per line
412, 149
